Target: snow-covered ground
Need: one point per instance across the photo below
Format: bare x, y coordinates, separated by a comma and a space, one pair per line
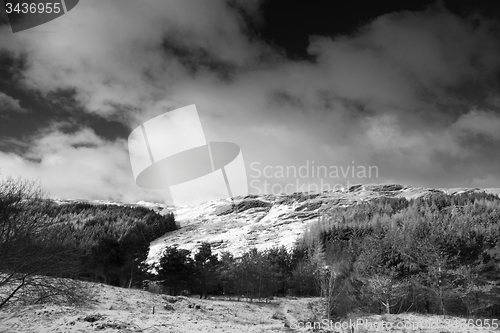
128, 310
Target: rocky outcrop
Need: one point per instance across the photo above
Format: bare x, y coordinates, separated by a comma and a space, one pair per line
383, 187
243, 205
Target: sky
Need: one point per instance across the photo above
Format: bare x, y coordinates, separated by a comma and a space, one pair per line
315, 94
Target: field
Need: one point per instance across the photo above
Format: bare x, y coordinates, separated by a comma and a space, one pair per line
128, 310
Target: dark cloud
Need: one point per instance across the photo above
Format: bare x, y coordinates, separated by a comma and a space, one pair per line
8, 104
414, 93
195, 59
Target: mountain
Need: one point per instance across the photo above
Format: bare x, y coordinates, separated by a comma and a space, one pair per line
264, 221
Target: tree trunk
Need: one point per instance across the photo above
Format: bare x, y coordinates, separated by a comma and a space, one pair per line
387, 307
131, 276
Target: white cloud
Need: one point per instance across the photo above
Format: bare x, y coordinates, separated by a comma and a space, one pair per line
479, 122
112, 52
374, 97
78, 165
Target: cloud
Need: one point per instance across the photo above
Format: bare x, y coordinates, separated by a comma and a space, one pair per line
478, 122
8, 103
77, 165
384, 96
402, 59
124, 53
434, 48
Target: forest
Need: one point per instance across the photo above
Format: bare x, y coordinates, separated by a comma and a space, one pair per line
47, 247
253, 275
437, 254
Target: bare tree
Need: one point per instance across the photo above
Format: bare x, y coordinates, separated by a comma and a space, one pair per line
386, 290
34, 256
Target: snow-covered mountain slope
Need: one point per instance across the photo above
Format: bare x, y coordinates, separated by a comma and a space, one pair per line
264, 221
269, 220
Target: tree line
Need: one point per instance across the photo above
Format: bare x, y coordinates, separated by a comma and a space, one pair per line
438, 254
255, 274
46, 247
112, 242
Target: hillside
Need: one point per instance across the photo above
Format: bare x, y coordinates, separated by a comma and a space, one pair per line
264, 221
268, 220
